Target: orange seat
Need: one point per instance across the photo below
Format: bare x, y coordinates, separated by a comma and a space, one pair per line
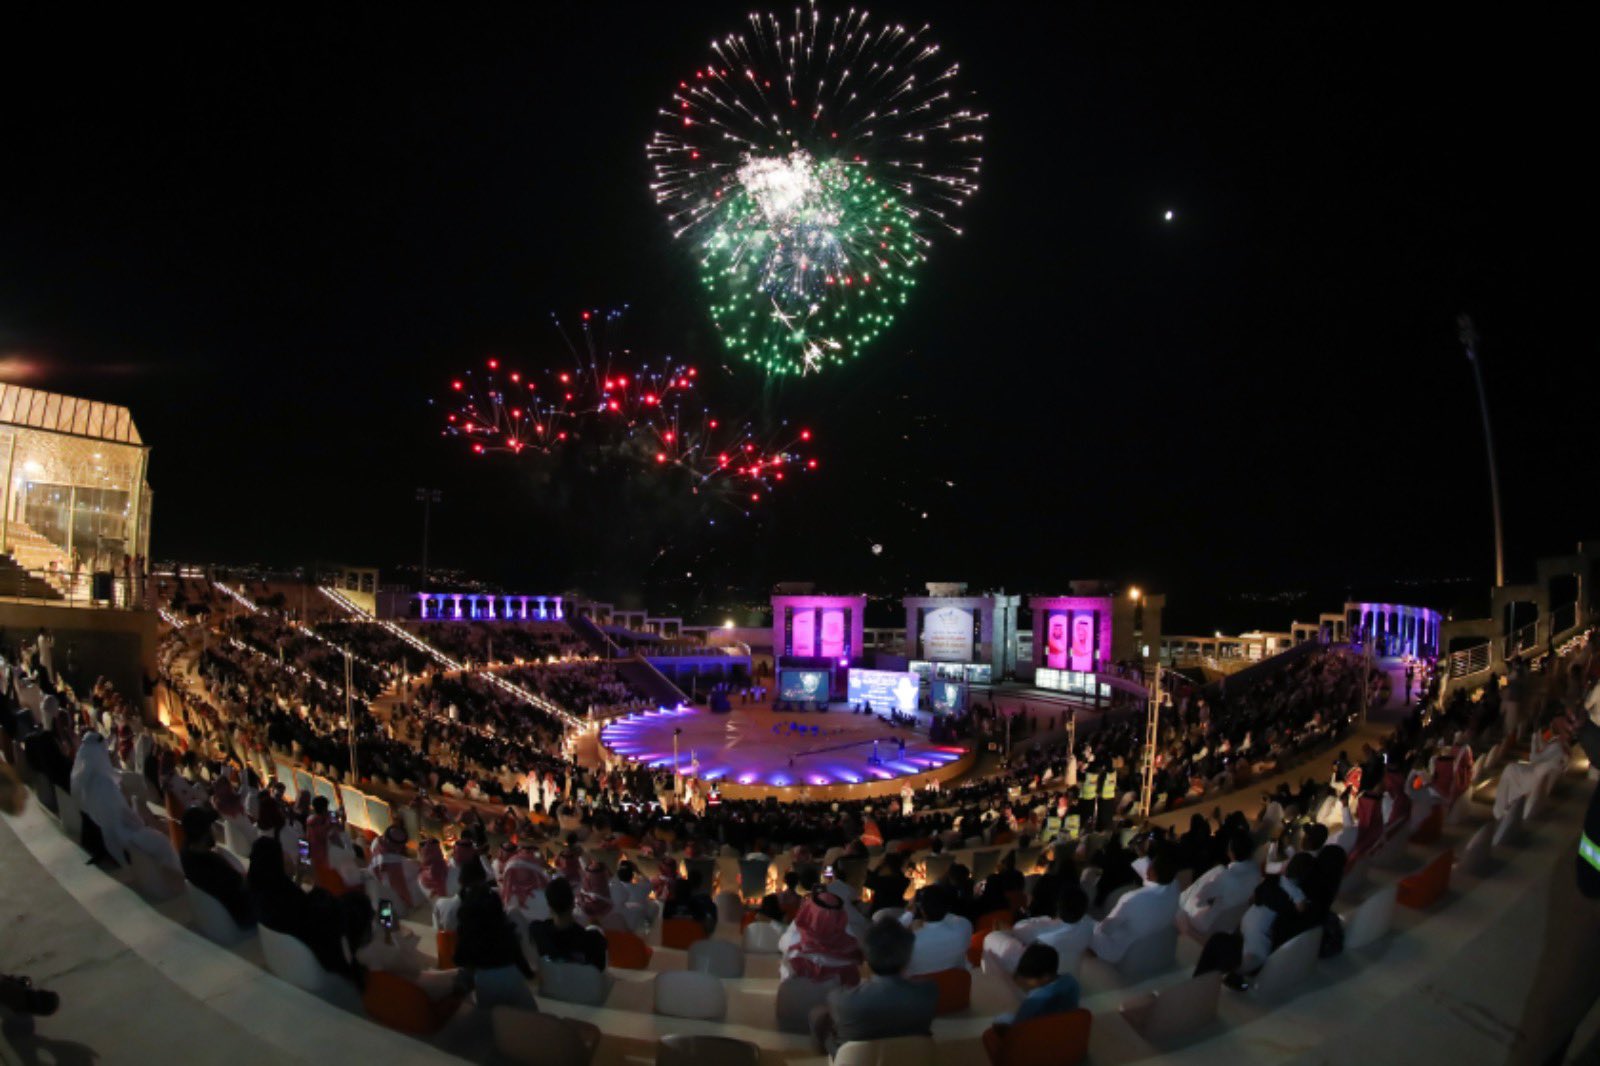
987, 923
1053, 1040
326, 877
393, 1001
1428, 884
1431, 828
445, 944
955, 989
625, 951
975, 949
681, 932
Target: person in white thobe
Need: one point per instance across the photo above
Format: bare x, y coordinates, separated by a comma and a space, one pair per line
1218, 890
1140, 912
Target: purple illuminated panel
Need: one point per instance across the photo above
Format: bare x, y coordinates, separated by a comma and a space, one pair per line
1076, 632
805, 626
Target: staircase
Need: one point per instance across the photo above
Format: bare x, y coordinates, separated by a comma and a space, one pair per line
16, 581
33, 550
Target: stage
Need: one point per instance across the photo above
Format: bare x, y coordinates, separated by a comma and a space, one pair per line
827, 756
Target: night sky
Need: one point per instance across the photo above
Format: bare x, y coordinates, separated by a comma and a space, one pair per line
276, 240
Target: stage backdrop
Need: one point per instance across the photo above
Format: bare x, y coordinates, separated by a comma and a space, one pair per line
947, 635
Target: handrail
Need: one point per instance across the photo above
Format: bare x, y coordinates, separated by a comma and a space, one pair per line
1469, 661
68, 588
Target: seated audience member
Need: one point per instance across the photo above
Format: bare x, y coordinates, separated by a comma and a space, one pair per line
388, 866
886, 1006
438, 877
560, 936
447, 909
998, 886
523, 880
1067, 934
942, 938
1219, 888
310, 917
818, 944
1140, 912
685, 900
210, 872
888, 884
486, 939
1044, 990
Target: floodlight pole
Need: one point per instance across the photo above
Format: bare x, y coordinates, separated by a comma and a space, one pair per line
1469, 341
1152, 727
426, 497
350, 722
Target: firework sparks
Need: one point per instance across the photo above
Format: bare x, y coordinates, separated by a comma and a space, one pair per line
810, 164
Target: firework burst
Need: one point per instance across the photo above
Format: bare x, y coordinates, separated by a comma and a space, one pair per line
811, 163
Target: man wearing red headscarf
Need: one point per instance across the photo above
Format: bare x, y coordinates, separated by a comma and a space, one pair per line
818, 944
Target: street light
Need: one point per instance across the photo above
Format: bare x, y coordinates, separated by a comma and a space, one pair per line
1469, 341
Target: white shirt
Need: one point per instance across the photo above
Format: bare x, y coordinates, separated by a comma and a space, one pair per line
1030, 929
1222, 887
940, 945
1137, 914
1256, 928
1070, 939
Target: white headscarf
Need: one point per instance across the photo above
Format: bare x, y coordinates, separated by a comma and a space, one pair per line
97, 788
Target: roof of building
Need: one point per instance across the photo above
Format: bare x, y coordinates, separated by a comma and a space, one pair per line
53, 412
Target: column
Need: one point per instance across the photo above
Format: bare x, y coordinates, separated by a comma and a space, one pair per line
524, 614
558, 607
457, 597
423, 596
542, 612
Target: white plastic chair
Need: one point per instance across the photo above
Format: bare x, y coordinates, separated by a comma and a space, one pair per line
572, 982
213, 919
542, 1039
1152, 954
71, 816
290, 960
796, 997
1175, 1012
154, 881
1289, 966
894, 1051
1475, 856
761, 938
730, 911
1509, 829
889, 914
1368, 923
502, 986
693, 1049
688, 994
716, 957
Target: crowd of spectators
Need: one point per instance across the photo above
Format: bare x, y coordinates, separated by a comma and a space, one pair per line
501, 642
586, 689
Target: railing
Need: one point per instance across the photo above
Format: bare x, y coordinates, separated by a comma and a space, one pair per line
516, 691
1521, 639
237, 596
1469, 661
60, 588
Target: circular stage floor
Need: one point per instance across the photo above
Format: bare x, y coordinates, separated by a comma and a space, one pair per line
756, 746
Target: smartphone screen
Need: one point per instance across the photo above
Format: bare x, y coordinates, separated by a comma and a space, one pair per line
386, 913
305, 852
